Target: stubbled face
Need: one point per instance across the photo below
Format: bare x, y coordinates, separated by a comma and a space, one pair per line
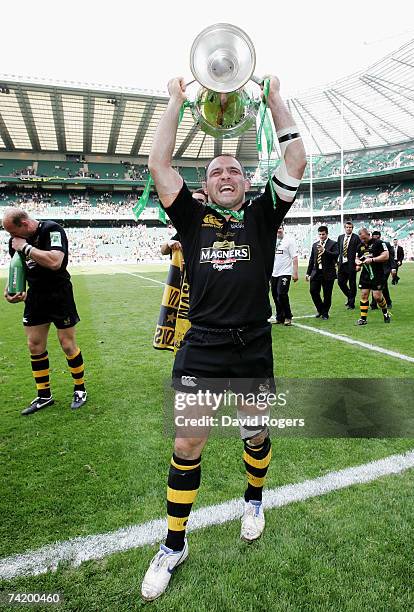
348, 230
322, 236
375, 237
364, 237
395, 242
225, 182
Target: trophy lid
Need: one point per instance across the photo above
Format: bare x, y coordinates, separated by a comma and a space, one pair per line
222, 58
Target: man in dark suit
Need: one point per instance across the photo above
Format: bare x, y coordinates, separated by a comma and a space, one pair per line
389, 268
322, 272
348, 244
398, 253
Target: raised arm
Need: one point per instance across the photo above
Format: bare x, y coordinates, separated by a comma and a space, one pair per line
293, 159
47, 259
167, 180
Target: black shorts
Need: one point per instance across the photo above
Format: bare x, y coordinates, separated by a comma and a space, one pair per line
218, 359
375, 284
55, 306
280, 284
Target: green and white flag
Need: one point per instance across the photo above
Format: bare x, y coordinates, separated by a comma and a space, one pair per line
143, 200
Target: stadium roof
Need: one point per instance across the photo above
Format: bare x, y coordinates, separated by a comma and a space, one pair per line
377, 106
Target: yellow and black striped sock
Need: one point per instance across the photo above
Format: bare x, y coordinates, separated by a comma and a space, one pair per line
77, 369
183, 484
383, 305
40, 370
256, 460
364, 309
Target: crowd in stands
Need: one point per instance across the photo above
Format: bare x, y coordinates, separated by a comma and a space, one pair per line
124, 170
363, 162
28, 171
390, 195
141, 244
73, 205
360, 162
126, 244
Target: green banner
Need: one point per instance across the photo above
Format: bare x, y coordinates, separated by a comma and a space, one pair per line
266, 128
138, 208
161, 214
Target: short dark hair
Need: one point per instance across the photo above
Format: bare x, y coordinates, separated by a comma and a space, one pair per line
224, 155
349, 223
323, 228
19, 216
376, 233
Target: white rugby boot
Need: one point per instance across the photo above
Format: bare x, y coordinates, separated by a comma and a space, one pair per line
253, 521
160, 571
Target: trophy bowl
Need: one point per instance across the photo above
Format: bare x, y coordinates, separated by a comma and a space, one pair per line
222, 60
224, 115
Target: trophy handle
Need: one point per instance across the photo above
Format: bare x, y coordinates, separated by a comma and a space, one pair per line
256, 79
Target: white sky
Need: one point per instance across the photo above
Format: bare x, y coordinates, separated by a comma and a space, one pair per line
143, 44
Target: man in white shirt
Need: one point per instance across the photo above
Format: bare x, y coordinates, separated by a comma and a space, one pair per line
285, 267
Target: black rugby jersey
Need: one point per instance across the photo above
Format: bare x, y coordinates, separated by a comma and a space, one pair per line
374, 248
49, 236
228, 263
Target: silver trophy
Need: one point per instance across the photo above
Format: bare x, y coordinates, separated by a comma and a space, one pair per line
222, 60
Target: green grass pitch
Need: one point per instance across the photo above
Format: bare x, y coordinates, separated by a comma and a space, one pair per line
68, 474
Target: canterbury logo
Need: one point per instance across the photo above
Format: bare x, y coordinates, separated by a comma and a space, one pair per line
211, 221
188, 381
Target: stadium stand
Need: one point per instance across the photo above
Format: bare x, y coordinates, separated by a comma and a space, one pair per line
15, 167
106, 171
66, 169
139, 243
355, 163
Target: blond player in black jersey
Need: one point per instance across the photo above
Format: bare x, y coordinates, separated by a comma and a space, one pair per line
49, 299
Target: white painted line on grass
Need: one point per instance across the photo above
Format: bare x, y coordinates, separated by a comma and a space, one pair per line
140, 276
348, 340
81, 549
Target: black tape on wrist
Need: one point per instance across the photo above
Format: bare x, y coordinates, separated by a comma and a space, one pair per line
26, 250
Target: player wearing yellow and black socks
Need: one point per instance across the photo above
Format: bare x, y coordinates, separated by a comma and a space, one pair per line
49, 299
371, 259
228, 247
